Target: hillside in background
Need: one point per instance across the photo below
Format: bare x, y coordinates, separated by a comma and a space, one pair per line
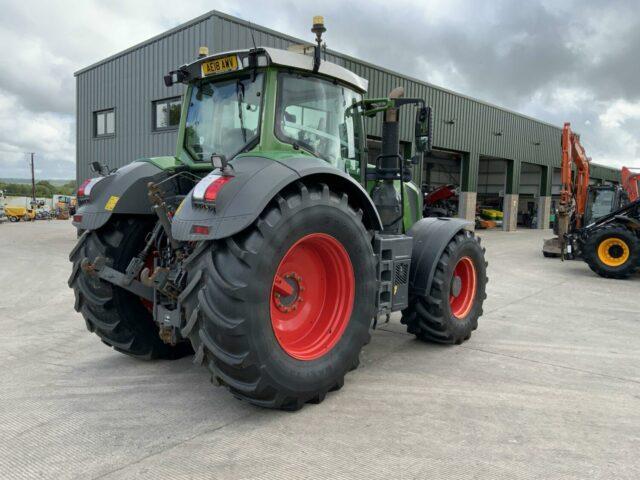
44, 188
54, 181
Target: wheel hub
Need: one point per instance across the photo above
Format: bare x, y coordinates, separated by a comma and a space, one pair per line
287, 292
456, 285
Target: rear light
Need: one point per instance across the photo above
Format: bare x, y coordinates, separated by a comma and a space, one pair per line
77, 218
207, 189
200, 230
87, 186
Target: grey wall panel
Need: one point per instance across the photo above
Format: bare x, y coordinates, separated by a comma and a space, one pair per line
131, 80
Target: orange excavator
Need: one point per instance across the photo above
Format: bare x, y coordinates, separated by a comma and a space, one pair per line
581, 203
573, 191
630, 181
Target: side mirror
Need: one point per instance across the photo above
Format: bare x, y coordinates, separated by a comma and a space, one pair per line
423, 130
96, 167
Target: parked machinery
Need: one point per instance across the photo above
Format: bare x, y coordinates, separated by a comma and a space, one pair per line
580, 203
268, 244
3, 216
441, 201
611, 244
16, 214
631, 183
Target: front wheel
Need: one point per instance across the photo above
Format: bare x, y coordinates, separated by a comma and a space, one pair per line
450, 310
612, 252
280, 312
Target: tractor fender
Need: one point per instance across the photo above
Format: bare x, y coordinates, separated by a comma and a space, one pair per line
122, 192
256, 181
430, 237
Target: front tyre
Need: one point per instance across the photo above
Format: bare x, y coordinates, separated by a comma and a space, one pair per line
450, 311
612, 252
280, 311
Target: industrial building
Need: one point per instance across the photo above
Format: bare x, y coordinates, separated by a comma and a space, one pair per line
496, 157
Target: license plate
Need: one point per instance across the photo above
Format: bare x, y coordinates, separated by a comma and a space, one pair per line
220, 65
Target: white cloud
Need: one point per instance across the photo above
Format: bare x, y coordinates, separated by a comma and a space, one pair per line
619, 112
49, 134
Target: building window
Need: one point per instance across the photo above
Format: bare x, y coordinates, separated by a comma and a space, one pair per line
104, 123
166, 114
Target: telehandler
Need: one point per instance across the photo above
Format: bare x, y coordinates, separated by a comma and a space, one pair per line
611, 244
268, 245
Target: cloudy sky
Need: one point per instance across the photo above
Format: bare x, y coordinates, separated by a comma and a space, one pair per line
575, 61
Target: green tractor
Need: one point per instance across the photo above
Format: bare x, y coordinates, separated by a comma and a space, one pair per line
269, 246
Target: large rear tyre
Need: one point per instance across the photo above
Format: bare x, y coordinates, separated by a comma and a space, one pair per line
118, 317
279, 312
612, 252
450, 311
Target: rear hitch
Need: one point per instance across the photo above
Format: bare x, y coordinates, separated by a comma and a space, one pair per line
165, 280
100, 269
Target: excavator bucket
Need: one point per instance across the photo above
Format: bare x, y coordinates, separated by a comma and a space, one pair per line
552, 247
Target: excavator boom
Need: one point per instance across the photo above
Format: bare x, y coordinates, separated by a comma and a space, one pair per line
573, 189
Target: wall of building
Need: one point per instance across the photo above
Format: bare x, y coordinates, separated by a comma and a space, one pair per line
131, 80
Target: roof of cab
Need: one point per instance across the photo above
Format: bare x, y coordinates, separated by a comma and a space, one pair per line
298, 61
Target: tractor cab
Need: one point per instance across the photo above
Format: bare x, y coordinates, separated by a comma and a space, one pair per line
284, 105
269, 100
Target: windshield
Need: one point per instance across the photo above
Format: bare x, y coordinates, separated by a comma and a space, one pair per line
223, 117
315, 115
602, 203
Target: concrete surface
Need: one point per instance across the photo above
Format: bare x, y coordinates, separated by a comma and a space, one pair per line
547, 387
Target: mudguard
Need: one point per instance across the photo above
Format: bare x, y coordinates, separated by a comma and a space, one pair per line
430, 238
256, 182
122, 192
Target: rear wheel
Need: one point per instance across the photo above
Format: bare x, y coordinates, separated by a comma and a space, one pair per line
450, 311
275, 312
118, 317
612, 252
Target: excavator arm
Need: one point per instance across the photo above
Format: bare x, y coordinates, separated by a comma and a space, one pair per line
574, 186
574, 191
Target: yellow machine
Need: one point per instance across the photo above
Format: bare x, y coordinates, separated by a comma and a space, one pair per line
65, 207
15, 214
491, 214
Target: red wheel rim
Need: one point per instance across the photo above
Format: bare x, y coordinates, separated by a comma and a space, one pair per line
463, 288
312, 296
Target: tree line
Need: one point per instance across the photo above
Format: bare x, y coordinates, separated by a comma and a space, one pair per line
43, 189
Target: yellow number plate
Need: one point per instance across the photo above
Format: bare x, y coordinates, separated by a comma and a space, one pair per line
220, 65
111, 203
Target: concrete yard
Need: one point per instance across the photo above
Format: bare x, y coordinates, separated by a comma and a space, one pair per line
547, 387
